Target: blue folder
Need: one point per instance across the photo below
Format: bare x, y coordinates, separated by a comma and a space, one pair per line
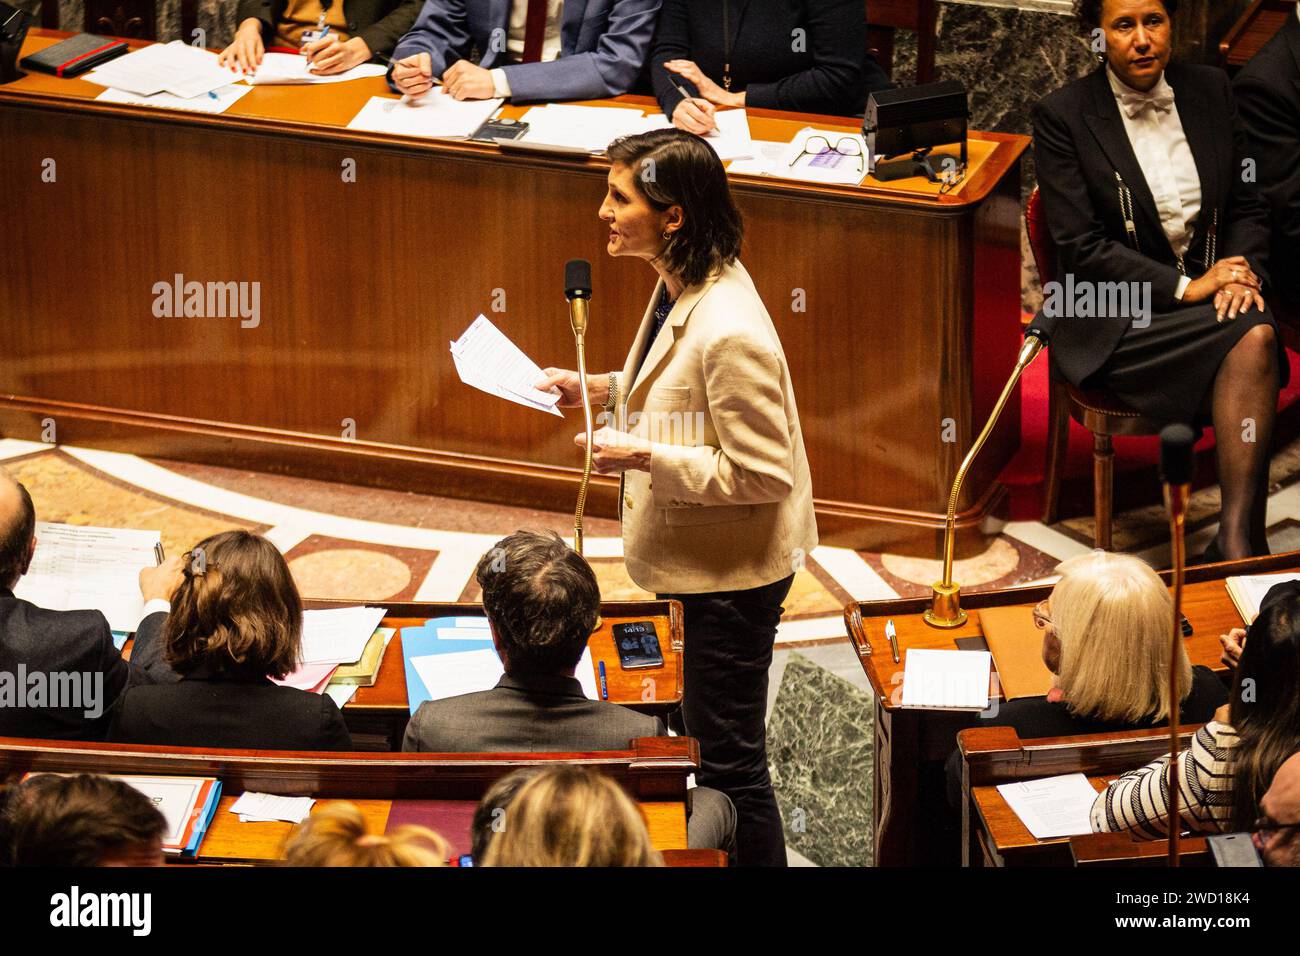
423, 641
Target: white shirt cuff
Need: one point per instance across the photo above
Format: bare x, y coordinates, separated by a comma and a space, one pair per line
154, 606
500, 84
1183, 283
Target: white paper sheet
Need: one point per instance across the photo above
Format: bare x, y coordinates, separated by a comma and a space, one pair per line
1251, 588
263, 807
176, 68
772, 159
174, 797
487, 360
731, 140
216, 101
450, 675
294, 69
338, 635
1053, 806
948, 679
591, 128
79, 568
435, 114
341, 693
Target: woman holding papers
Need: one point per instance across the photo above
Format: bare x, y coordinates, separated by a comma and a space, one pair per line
235, 625
807, 56
716, 500
1159, 297
355, 31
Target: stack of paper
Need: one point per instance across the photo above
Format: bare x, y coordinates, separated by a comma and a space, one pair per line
1053, 806
731, 140
490, 362
179, 69
312, 678
433, 114
214, 101
950, 680
188, 804
295, 69
1247, 591
792, 162
82, 568
338, 635
267, 807
585, 127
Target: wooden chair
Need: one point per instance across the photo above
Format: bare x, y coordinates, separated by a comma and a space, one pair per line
884, 17
991, 832
653, 770
1256, 26
1101, 413
1120, 849
132, 19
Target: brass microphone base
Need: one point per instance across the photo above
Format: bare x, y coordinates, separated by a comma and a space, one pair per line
945, 606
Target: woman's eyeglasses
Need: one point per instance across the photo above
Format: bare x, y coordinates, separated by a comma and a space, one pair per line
820, 146
1041, 620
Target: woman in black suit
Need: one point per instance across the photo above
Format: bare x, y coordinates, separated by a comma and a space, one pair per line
235, 623
807, 56
1140, 167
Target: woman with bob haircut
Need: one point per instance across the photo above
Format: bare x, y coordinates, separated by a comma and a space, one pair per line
1231, 762
337, 835
716, 498
235, 624
572, 816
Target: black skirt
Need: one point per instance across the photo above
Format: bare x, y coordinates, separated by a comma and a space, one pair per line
1166, 369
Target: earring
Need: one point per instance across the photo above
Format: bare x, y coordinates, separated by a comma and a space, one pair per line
667, 235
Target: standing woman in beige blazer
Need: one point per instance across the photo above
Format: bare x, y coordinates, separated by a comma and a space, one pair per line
716, 502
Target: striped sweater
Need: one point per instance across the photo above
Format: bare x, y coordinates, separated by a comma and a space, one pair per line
1139, 800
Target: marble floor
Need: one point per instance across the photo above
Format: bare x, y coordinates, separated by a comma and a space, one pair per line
350, 543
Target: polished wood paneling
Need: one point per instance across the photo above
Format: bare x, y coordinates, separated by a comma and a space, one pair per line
912, 302
916, 737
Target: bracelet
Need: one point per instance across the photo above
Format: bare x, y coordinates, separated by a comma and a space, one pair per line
611, 403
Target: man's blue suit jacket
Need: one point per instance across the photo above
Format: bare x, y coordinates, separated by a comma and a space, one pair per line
604, 44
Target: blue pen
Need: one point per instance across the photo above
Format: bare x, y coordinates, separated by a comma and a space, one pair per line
215, 97
604, 687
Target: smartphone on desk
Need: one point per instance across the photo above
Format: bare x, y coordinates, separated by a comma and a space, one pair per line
638, 645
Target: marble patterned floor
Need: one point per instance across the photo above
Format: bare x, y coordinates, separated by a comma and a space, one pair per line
364, 544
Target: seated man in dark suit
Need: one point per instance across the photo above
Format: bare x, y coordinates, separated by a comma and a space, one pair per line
1268, 97
530, 51
60, 673
542, 601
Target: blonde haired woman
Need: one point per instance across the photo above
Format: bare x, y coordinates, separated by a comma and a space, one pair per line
1106, 639
571, 816
337, 835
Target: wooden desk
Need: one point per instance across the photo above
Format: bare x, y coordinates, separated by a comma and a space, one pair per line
653, 771
359, 300
378, 714
913, 742
1257, 26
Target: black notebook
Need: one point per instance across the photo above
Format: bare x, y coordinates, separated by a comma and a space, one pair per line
75, 55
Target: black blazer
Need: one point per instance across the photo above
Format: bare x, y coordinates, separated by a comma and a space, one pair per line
381, 23
1080, 145
831, 74
204, 710
36, 641
537, 714
1268, 95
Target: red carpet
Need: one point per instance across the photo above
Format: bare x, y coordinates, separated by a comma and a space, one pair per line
1136, 458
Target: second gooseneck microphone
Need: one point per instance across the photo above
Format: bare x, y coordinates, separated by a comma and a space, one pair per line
577, 289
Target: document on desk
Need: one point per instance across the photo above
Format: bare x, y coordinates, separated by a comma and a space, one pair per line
253, 807
591, 128
487, 360
731, 140
791, 161
78, 568
295, 69
338, 635
176, 68
1248, 590
435, 114
466, 672
1053, 806
948, 680
215, 101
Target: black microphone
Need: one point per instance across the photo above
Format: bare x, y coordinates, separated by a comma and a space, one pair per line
1176, 442
1042, 326
577, 289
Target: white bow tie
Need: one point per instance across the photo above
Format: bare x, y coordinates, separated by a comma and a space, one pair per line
1133, 103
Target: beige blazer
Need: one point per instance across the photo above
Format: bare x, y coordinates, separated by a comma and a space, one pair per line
727, 503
